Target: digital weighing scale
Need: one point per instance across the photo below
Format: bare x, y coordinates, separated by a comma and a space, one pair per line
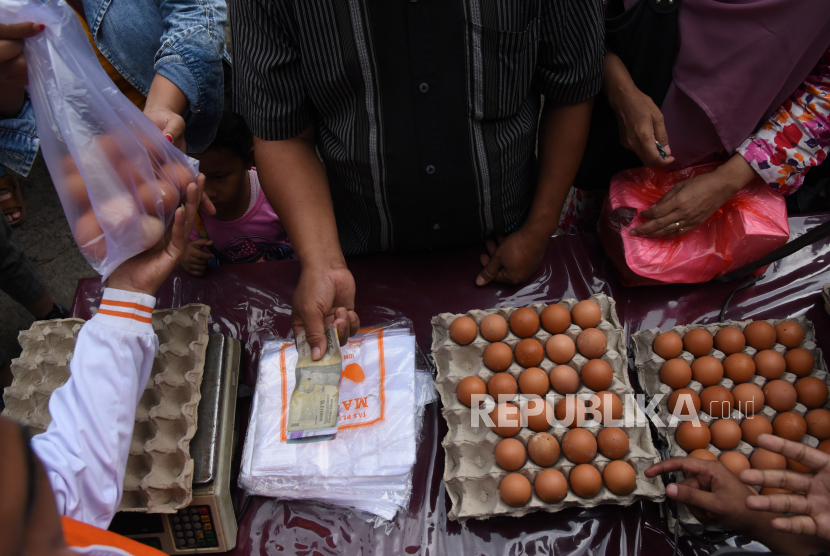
208, 524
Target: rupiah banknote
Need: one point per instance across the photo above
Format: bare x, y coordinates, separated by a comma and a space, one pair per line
313, 409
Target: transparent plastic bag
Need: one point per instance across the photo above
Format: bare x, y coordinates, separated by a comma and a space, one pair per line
744, 229
118, 178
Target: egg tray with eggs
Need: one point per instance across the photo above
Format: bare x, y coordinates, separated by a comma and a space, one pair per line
751, 384
471, 474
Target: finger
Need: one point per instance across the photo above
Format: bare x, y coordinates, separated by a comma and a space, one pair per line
207, 205
812, 458
692, 496
177, 242
9, 50
491, 246
174, 131
354, 323
484, 259
315, 332
201, 256
342, 327
193, 196
689, 466
800, 525
14, 71
662, 136
658, 227
776, 478
489, 271
201, 242
15, 31
781, 503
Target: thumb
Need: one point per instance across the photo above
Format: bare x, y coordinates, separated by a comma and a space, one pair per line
24, 30
490, 270
315, 333
202, 242
174, 132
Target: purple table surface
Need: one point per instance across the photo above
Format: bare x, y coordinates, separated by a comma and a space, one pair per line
253, 302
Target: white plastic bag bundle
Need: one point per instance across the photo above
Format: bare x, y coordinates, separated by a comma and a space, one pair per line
368, 466
118, 178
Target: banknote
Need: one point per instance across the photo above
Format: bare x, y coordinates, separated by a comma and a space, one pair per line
313, 409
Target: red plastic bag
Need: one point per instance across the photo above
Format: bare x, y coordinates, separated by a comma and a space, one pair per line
744, 229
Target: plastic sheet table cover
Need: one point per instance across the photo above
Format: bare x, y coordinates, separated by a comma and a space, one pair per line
252, 301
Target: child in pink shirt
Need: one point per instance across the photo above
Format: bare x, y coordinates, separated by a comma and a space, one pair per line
245, 228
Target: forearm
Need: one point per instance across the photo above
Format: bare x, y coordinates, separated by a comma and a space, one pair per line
785, 543
165, 95
616, 81
296, 185
563, 132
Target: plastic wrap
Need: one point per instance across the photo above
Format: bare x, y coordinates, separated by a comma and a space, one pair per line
744, 229
119, 180
252, 302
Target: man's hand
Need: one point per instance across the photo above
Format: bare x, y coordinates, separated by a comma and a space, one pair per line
13, 73
145, 272
513, 259
812, 507
165, 105
690, 203
195, 260
324, 295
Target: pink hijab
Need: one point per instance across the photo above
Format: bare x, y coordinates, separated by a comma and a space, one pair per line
738, 62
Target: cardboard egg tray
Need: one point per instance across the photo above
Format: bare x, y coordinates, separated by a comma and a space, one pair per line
648, 366
471, 474
159, 474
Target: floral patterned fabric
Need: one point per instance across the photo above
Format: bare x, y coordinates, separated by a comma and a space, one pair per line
797, 137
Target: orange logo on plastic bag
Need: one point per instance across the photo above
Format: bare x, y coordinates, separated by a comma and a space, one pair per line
353, 372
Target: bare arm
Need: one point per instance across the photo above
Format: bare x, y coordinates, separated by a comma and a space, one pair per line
563, 132
165, 106
296, 185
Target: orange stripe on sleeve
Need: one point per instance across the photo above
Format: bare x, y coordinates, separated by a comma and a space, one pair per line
139, 318
127, 305
80, 535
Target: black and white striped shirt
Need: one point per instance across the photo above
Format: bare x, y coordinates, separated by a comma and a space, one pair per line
426, 110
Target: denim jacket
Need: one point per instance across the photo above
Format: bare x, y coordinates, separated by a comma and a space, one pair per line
18, 141
185, 39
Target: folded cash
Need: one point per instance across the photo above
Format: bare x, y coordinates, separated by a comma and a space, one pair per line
313, 409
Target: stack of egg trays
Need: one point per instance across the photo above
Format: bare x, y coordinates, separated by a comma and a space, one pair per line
470, 472
648, 363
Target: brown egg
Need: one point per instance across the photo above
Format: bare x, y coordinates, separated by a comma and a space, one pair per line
579, 445
684, 403
668, 345
703, 453
800, 362
789, 425
749, 398
612, 442
90, 236
818, 423
789, 334
824, 446
707, 370
502, 387
717, 401
780, 395
551, 486
534, 381
506, 420
698, 342
570, 411
607, 404
585, 480
515, 489
543, 449
539, 415
463, 330
734, 461
510, 454
767, 491
586, 314
591, 343
675, 373
493, 328
760, 334
730, 340
726, 434
619, 477
560, 349
529, 352
770, 364
797, 467
764, 459
564, 379
555, 319
811, 392
597, 374
524, 322
498, 356
471, 385
739, 367
754, 426
691, 435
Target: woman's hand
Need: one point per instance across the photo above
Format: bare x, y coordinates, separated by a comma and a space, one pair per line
13, 74
165, 105
638, 118
513, 259
690, 203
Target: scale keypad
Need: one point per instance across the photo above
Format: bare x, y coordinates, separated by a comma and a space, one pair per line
193, 528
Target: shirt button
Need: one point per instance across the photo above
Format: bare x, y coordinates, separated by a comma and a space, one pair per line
423, 88
430, 169
436, 227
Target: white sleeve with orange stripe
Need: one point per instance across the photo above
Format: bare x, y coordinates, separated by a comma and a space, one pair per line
86, 446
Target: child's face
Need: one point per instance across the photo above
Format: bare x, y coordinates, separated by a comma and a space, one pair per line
225, 177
